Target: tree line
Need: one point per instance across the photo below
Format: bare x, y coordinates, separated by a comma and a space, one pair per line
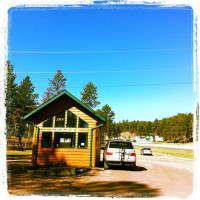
21, 99
178, 128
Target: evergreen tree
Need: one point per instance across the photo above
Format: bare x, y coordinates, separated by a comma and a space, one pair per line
25, 101
58, 82
47, 95
10, 96
56, 86
109, 115
89, 95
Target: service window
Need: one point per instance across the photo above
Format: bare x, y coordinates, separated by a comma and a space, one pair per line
71, 119
60, 120
46, 139
82, 140
82, 123
64, 140
48, 123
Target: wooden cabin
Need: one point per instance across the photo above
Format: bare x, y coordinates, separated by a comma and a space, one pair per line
66, 130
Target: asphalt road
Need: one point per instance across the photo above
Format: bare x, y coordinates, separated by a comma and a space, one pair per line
163, 176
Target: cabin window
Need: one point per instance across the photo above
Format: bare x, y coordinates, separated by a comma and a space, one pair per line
48, 123
64, 140
82, 140
46, 139
82, 124
71, 119
60, 120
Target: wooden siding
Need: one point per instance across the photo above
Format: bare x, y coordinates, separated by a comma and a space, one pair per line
71, 156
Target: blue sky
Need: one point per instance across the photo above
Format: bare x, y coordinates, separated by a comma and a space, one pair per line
139, 57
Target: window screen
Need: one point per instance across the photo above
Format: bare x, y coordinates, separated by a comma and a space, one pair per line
64, 140
48, 123
82, 140
60, 120
46, 139
71, 119
82, 124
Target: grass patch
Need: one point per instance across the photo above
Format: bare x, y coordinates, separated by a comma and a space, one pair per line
158, 151
182, 144
19, 153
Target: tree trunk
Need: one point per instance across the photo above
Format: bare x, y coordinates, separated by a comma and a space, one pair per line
20, 142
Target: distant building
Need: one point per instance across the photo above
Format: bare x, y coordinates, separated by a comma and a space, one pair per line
148, 138
158, 139
137, 138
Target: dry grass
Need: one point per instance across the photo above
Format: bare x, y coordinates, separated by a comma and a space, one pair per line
19, 153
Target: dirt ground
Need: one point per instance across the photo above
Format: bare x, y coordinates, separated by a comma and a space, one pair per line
163, 176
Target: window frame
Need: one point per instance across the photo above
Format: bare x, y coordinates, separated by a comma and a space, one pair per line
83, 122
46, 121
63, 122
86, 140
68, 112
74, 142
51, 136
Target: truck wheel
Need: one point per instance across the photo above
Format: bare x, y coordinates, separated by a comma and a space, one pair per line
105, 165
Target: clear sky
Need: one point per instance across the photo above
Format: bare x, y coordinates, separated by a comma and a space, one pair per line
139, 57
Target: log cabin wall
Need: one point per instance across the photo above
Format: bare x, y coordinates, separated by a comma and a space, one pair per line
72, 156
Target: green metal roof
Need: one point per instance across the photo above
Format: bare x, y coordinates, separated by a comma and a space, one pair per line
65, 92
150, 135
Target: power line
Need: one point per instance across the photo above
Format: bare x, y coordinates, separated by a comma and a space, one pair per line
106, 71
81, 52
145, 84
133, 85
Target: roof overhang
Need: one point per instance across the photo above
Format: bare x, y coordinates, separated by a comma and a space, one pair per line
57, 104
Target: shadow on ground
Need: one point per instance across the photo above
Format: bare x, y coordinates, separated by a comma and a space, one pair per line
21, 183
137, 168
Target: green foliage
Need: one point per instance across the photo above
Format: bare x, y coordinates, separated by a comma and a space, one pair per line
56, 86
89, 95
10, 96
109, 115
178, 128
20, 100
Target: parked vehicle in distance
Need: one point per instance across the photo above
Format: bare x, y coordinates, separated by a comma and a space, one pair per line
119, 153
146, 151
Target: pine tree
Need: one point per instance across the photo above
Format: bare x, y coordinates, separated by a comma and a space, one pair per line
89, 95
10, 96
109, 115
56, 86
58, 82
25, 101
47, 95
